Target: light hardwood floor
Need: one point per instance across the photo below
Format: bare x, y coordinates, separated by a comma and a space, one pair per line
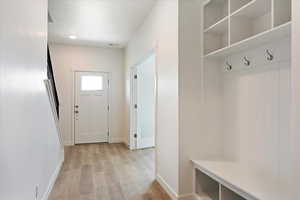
107, 172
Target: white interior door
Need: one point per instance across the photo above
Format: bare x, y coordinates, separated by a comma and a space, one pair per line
146, 103
91, 107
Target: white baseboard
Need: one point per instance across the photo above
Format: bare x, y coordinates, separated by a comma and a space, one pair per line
116, 140
167, 187
111, 141
172, 193
53, 180
188, 197
68, 143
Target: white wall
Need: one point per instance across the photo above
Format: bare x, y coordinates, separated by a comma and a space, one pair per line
29, 145
160, 30
65, 60
295, 109
192, 142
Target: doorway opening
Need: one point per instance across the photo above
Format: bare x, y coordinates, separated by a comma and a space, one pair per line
143, 104
91, 107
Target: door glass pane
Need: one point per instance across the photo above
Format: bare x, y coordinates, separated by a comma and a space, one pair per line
91, 83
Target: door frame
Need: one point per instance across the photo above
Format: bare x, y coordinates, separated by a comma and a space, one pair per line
133, 92
73, 93
133, 113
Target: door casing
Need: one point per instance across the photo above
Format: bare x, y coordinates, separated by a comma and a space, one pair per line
133, 92
73, 101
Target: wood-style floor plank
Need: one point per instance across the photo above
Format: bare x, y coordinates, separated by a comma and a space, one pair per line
107, 172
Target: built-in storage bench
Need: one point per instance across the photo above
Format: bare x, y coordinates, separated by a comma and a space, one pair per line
206, 187
227, 194
215, 180
246, 101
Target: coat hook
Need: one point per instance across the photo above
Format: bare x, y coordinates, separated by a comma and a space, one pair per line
228, 67
270, 56
246, 61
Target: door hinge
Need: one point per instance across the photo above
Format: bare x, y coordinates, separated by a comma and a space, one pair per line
107, 107
108, 133
135, 106
135, 135
135, 76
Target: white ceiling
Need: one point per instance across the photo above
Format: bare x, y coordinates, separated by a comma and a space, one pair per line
96, 22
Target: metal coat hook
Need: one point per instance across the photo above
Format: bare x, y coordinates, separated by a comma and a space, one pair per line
228, 67
270, 56
246, 61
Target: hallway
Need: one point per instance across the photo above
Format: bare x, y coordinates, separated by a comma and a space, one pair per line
107, 172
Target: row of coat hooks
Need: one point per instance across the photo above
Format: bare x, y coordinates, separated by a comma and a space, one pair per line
247, 62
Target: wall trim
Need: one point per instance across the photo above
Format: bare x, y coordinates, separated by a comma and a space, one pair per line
166, 187
172, 193
191, 196
53, 179
133, 90
69, 143
113, 140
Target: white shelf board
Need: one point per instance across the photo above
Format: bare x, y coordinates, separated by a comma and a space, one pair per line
241, 180
220, 27
237, 4
254, 9
252, 42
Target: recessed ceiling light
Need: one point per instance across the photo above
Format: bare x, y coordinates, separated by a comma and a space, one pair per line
72, 37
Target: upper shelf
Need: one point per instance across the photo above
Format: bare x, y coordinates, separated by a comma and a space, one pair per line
231, 26
248, 183
214, 11
254, 8
218, 27
237, 4
252, 42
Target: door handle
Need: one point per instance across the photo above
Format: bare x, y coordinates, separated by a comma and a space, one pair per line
76, 106
76, 111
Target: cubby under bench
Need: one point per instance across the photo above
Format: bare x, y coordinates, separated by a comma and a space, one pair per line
221, 180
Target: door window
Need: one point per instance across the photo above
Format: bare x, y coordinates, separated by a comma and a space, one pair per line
91, 83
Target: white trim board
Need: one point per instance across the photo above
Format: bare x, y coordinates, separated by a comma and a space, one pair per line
114, 140
53, 180
68, 143
166, 187
188, 197
133, 92
49, 87
169, 190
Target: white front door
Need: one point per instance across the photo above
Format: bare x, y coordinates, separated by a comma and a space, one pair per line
146, 94
91, 107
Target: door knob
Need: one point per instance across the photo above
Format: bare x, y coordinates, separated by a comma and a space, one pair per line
76, 111
76, 106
